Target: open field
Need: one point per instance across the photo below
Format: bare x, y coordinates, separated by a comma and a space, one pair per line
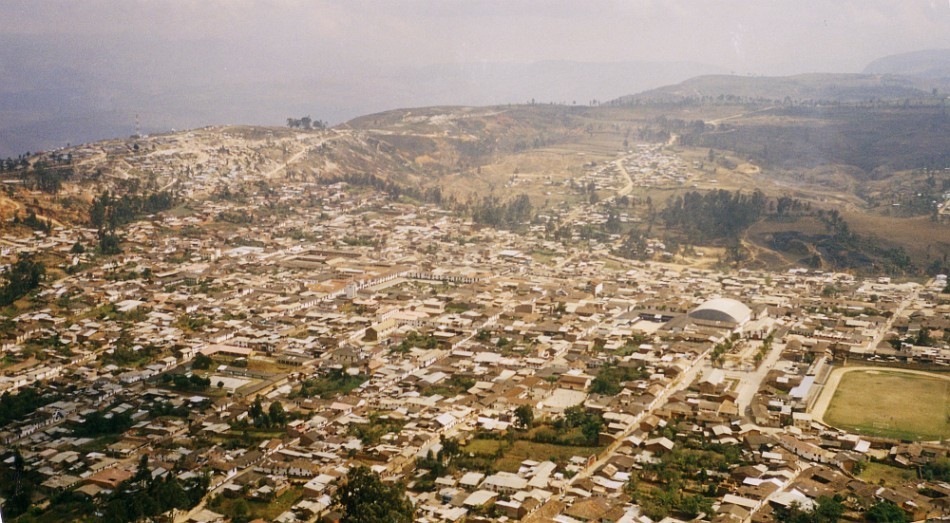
520, 450
891, 403
523, 450
259, 509
887, 475
918, 234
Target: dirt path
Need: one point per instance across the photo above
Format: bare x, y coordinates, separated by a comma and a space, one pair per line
292, 159
755, 250
6, 203
626, 189
306, 149
717, 121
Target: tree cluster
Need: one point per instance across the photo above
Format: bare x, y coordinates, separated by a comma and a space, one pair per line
335, 383
183, 382
11, 164
33, 222
936, 470
715, 214
886, 512
826, 510
20, 405
202, 362
306, 123
47, 178
98, 423
364, 498
273, 417
685, 480
610, 378
414, 339
490, 210
787, 206
393, 189
108, 212
436, 464
19, 279
111, 211
524, 416
143, 497
589, 423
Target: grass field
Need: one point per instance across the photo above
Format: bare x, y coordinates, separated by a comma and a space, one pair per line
887, 475
260, 509
891, 404
521, 450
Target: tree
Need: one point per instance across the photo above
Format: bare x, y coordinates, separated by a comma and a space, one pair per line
886, 512
276, 414
143, 472
257, 409
202, 361
936, 470
524, 416
364, 498
829, 510
240, 510
109, 242
18, 489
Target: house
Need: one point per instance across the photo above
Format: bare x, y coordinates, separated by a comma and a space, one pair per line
504, 483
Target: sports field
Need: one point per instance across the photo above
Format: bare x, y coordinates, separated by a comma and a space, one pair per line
892, 403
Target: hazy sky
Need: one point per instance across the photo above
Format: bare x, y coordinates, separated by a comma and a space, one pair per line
79, 70
763, 37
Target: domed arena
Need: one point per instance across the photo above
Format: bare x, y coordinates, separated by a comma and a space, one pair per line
722, 310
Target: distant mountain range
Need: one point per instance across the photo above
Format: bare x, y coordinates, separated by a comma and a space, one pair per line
932, 63
900, 76
60, 92
828, 87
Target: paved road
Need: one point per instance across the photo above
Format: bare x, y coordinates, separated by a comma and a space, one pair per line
911, 298
751, 381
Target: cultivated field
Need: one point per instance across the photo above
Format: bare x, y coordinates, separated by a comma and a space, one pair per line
891, 403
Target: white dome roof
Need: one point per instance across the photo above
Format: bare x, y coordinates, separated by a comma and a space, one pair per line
722, 309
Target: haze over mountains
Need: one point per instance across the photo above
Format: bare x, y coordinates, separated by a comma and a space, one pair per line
47, 102
929, 63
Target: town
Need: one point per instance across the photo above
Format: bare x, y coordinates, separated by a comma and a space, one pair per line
255, 346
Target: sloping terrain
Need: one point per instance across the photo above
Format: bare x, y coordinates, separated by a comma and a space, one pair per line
879, 165
930, 63
807, 87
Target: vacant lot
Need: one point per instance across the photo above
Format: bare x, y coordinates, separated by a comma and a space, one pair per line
513, 454
887, 475
891, 403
